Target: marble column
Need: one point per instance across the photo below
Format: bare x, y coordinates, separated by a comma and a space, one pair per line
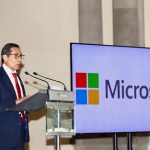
128, 22
90, 21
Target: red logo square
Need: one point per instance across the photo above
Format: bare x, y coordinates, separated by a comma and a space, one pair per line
81, 80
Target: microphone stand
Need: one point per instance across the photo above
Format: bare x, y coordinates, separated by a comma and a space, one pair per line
35, 73
48, 87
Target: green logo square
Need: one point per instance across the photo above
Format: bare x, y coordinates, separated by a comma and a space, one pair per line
93, 80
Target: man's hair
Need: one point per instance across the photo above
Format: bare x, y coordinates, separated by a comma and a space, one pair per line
7, 49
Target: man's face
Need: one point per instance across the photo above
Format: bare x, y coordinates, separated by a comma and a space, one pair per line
13, 61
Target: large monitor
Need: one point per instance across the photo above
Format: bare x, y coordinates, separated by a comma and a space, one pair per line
112, 86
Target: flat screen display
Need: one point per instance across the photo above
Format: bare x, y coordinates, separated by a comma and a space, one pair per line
112, 87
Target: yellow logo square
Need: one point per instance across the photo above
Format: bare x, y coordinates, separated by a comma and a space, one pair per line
93, 96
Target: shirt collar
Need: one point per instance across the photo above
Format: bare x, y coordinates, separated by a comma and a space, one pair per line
8, 70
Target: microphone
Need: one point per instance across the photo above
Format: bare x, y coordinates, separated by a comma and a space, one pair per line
48, 87
35, 73
27, 73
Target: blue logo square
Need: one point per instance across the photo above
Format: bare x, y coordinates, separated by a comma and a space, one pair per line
81, 96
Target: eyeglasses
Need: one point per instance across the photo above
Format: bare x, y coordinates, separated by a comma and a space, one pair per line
21, 56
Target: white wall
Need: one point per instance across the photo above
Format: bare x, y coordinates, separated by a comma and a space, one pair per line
44, 30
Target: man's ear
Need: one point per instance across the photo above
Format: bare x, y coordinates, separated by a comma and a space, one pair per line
5, 58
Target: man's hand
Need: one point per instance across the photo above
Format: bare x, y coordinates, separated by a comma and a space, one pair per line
21, 99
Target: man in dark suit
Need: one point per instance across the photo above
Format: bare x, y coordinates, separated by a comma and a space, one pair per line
13, 125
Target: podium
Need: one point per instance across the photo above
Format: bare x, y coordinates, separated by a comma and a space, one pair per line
59, 111
60, 115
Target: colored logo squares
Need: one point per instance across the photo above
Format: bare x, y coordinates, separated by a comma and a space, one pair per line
87, 88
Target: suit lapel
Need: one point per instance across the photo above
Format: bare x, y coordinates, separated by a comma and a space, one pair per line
7, 82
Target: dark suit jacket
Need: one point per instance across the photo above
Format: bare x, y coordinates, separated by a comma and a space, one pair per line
11, 130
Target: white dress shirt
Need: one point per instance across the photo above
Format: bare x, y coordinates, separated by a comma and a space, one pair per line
9, 73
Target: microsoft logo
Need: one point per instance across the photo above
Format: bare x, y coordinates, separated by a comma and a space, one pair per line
87, 88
